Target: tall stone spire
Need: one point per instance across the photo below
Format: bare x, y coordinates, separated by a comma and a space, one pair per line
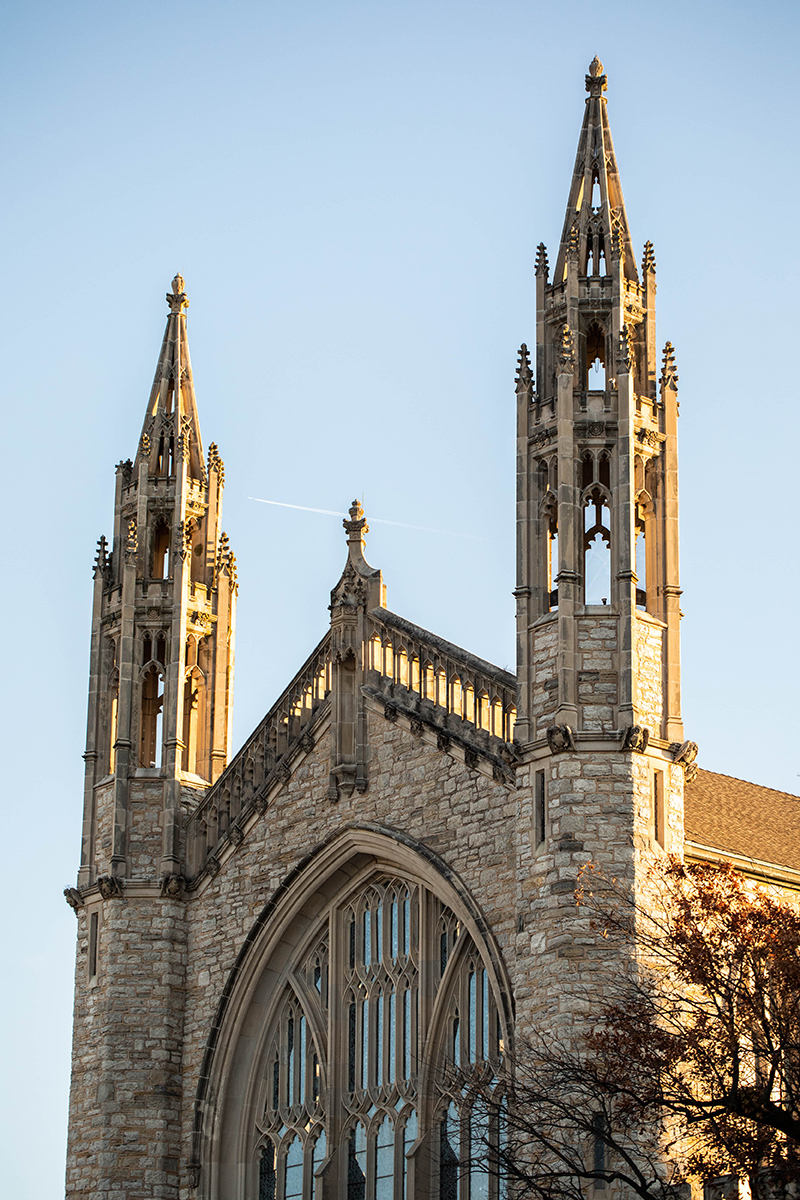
163, 630
596, 224
598, 591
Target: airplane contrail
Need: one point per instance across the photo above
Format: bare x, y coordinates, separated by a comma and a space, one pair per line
329, 512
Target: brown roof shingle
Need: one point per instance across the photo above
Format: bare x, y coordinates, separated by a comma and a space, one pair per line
742, 818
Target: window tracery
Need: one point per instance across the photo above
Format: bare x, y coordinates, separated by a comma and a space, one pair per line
394, 943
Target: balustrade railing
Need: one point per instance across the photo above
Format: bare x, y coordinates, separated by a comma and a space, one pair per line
432, 669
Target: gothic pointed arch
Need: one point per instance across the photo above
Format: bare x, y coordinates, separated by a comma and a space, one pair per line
334, 1025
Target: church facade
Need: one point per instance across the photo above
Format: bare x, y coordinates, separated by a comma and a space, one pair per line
278, 948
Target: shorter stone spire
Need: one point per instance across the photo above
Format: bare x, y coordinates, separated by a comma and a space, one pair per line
542, 266
648, 259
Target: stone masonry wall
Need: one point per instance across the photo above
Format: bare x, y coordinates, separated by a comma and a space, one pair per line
545, 674
124, 1137
649, 635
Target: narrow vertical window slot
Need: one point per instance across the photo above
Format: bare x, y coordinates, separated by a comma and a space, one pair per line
659, 815
93, 930
540, 811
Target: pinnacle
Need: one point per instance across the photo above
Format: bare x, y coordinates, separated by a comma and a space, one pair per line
648, 259
524, 377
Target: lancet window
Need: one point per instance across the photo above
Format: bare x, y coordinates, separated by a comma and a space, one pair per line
597, 548
359, 1032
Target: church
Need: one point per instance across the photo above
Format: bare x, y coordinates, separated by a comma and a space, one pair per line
278, 947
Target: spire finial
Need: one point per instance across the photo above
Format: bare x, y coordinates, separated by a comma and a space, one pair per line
177, 299
596, 81
542, 266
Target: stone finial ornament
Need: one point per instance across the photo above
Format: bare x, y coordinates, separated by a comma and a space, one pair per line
177, 299
574, 242
648, 260
669, 375
101, 558
524, 376
356, 527
566, 351
542, 265
624, 352
215, 463
596, 81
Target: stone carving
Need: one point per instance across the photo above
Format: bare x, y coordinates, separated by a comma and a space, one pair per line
73, 898
596, 81
416, 726
126, 468
635, 737
193, 1175
524, 373
648, 437
560, 738
260, 802
625, 352
648, 259
226, 560
144, 445
542, 266
215, 463
669, 375
306, 741
131, 542
686, 754
596, 429
390, 713
110, 888
616, 233
101, 558
236, 834
283, 771
542, 438
212, 866
574, 242
184, 437
183, 539
173, 886
566, 351
177, 299
443, 740
470, 758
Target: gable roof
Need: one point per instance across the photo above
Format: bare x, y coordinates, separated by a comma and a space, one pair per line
742, 819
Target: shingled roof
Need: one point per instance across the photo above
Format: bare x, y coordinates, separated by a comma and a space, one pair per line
743, 819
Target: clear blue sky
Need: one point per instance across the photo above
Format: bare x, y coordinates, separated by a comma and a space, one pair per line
354, 193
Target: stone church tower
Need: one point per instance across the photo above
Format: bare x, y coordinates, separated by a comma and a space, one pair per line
278, 951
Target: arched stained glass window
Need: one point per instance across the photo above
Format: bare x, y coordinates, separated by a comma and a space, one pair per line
349, 1029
